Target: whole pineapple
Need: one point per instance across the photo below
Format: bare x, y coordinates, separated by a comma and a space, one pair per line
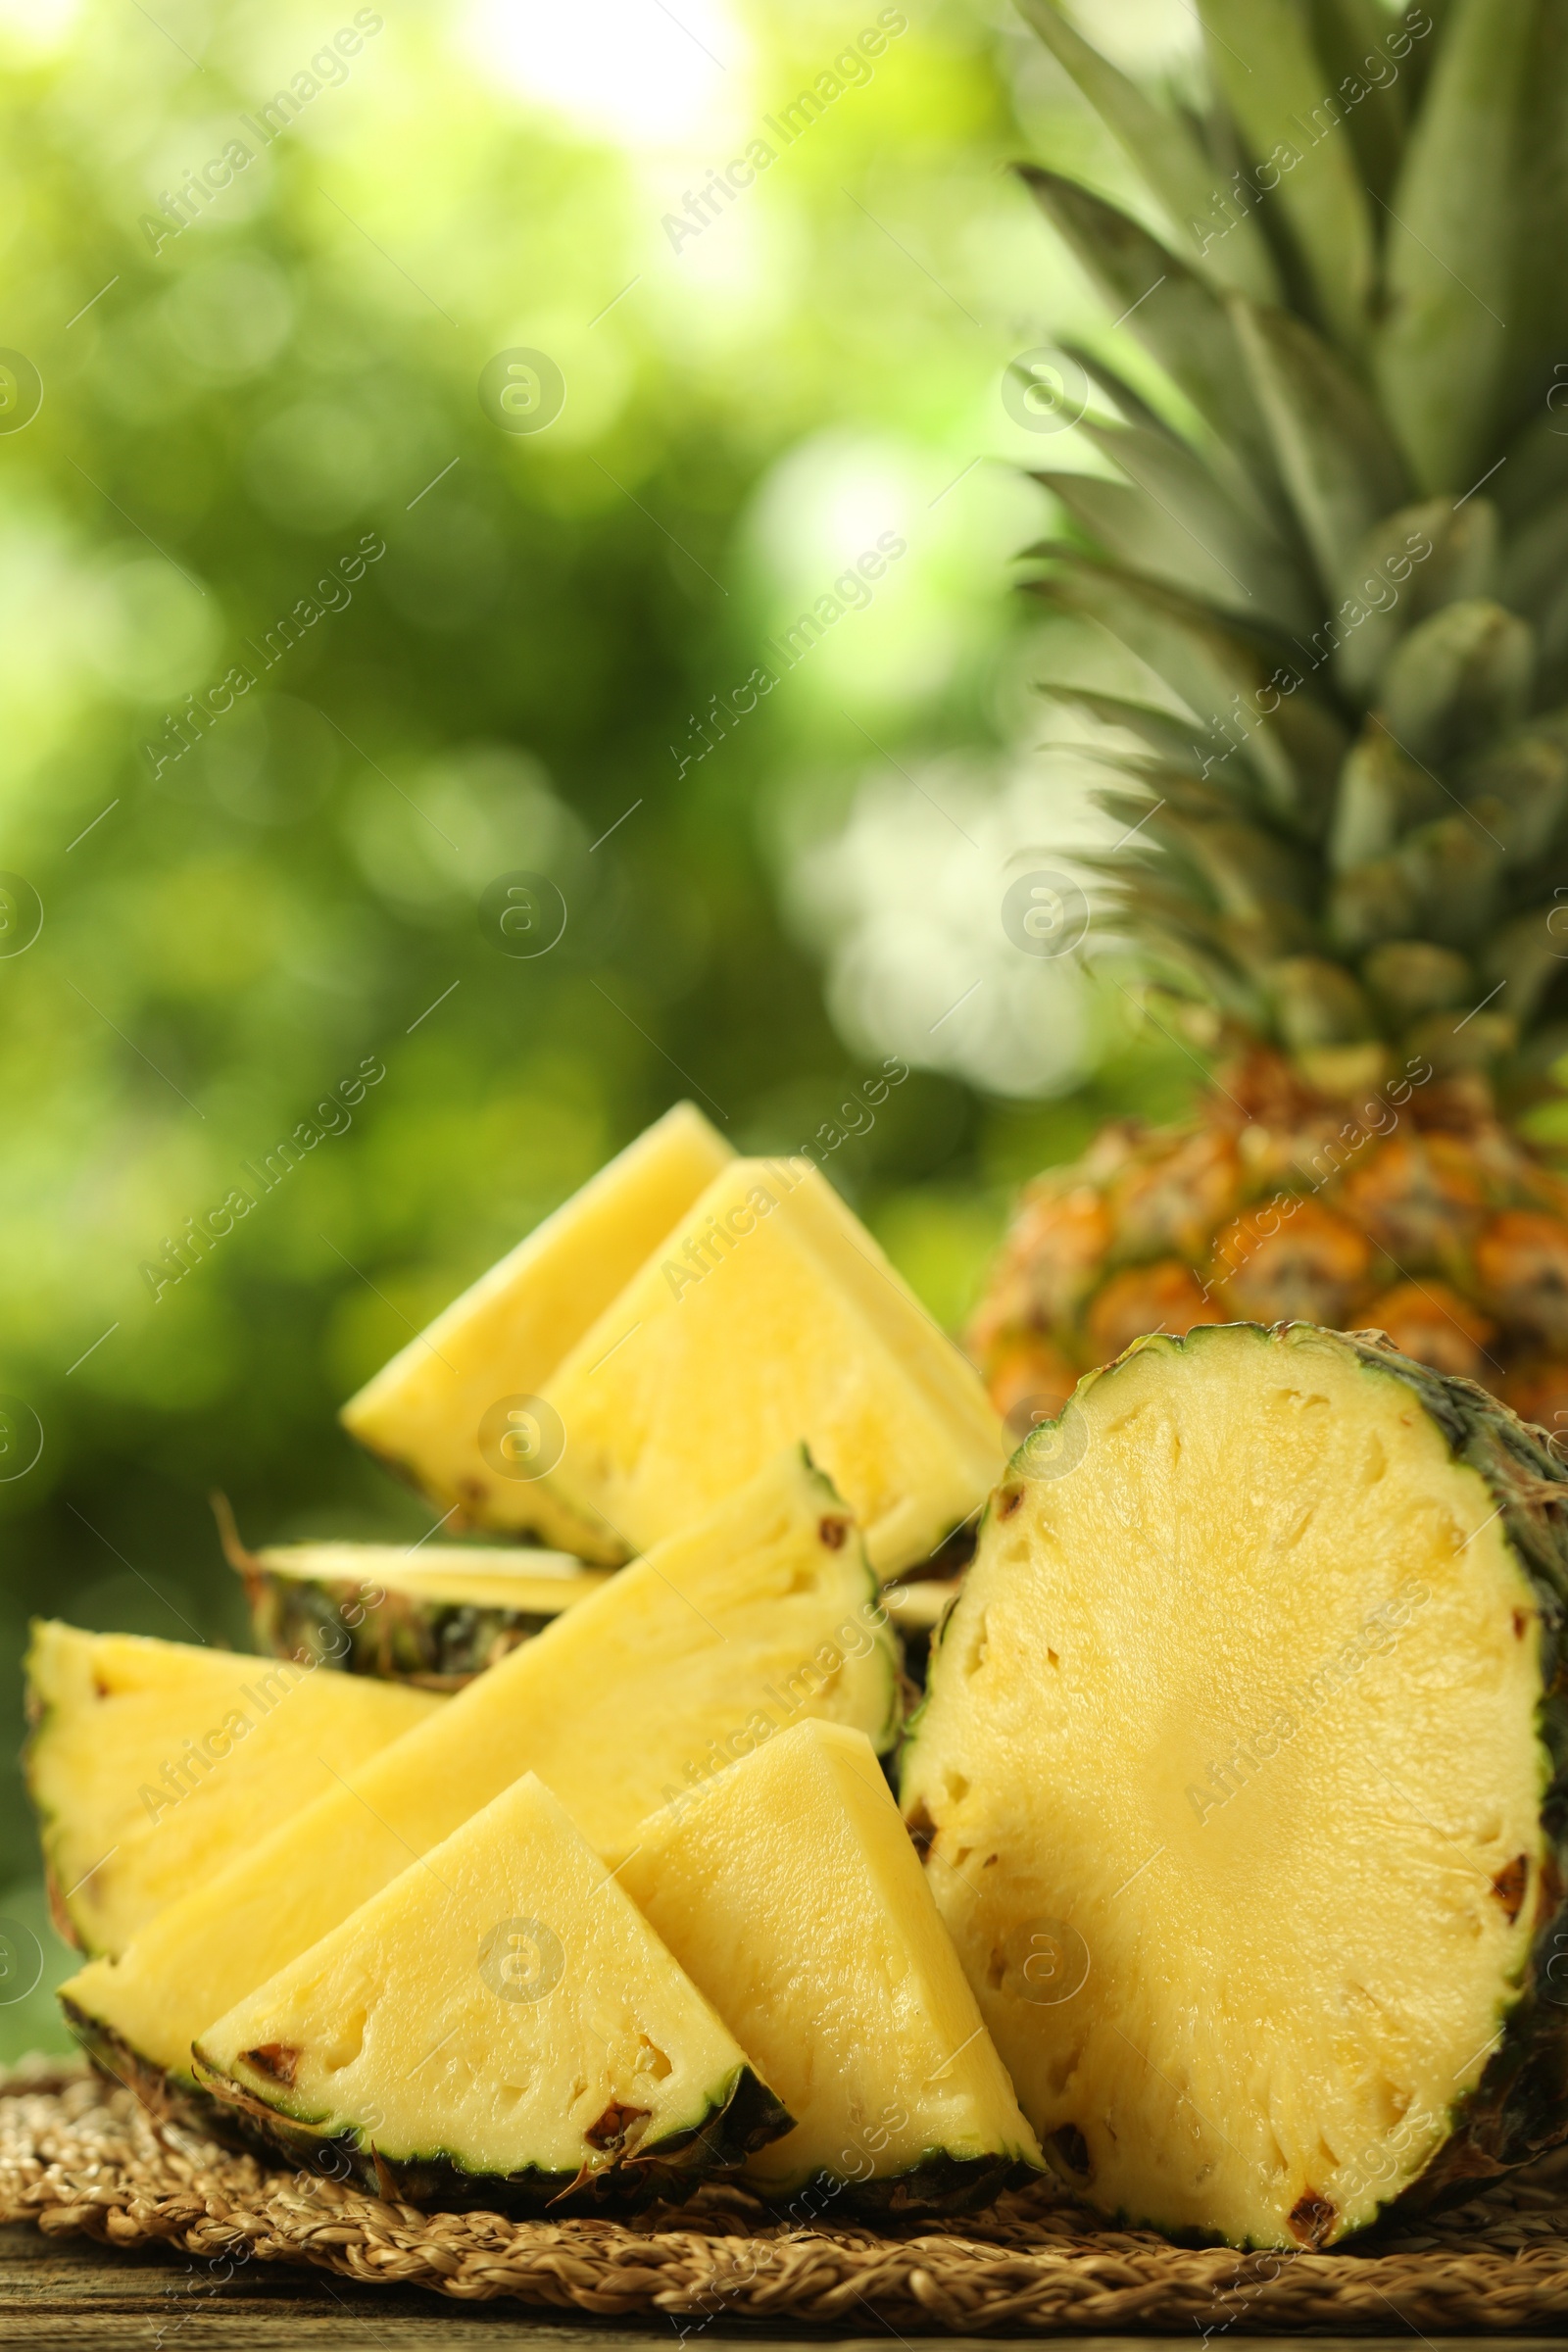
1346, 562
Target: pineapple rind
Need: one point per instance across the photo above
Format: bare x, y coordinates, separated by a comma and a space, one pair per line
435, 1628
436, 1644
741, 2108
1518, 2108
742, 2113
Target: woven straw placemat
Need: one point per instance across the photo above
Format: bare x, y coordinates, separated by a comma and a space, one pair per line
79, 2155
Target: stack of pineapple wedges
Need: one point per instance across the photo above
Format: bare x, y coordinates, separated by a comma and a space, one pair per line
1226, 1891
459, 1913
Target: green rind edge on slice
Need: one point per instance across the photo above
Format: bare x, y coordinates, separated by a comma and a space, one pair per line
409, 1638
746, 2116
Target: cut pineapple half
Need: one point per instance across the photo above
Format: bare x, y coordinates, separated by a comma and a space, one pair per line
150, 1763
435, 1615
456, 1409
1236, 1775
765, 1612
499, 2024
767, 1315
789, 1892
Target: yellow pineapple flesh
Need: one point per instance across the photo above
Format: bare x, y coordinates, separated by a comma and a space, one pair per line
769, 1315
457, 1412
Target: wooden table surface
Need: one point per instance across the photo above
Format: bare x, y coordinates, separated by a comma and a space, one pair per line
75, 2297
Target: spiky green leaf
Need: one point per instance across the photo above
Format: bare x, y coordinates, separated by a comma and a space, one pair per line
1177, 524
1410, 977
1528, 957
1178, 319
1454, 870
1382, 794
1317, 1002
1410, 564
1199, 661
1519, 788
1351, 36
1537, 309
1292, 114
1245, 869
1457, 679
1334, 456
1440, 354
1281, 742
1168, 155
1369, 903
1128, 402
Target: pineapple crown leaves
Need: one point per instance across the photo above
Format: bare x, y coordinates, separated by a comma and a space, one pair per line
1350, 574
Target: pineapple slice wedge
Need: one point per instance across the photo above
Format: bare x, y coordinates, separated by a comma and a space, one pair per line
498, 2026
149, 1763
789, 1892
771, 1313
434, 1615
1237, 1777
449, 1409
764, 1612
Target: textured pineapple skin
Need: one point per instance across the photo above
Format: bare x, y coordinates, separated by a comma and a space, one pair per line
940, 2187
1518, 2110
744, 2117
745, 2114
1411, 1208
434, 1645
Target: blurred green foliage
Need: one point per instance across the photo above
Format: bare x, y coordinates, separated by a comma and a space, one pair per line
227, 935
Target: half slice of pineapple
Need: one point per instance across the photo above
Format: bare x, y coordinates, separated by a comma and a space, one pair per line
790, 1891
434, 1615
456, 1410
150, 1763
1237, 1778
765, 1612
768, 1314
498, 2026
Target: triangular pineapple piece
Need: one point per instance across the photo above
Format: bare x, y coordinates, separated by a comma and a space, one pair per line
443, 1612
430, 1412
790, 1891
499, 2024
769, 1314
150, 1763
945, 1374
764, 1612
